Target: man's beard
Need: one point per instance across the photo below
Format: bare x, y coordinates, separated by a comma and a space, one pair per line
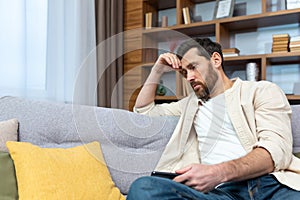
204, 92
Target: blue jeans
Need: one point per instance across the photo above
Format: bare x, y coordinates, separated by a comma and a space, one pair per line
261, 188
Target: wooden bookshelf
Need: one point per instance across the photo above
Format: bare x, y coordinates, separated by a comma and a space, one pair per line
220, 29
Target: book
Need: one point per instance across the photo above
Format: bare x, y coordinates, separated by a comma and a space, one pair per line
186, 15
228, 52
294, 49
295, 38
280, 42
280, 45
231, 50
283, 35
294, 44
148, 20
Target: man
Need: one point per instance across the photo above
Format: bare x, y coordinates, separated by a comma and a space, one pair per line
233, 139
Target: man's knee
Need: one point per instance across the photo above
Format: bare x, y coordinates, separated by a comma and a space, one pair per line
141, 183
139, 187
149, 186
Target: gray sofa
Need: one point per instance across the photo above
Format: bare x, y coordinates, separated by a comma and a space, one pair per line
131, 143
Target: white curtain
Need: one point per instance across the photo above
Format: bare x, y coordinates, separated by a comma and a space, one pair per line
47, 50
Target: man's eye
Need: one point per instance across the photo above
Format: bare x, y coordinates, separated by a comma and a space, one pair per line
192, 67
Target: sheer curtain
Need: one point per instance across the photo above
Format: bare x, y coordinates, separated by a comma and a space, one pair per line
47, 50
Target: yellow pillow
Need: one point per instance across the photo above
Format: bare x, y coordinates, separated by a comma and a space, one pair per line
56, 173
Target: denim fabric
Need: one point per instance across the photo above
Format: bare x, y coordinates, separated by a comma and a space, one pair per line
261, 188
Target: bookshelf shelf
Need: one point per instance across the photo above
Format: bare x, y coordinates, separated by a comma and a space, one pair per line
220, 30
293, 97
167, 98
161, 5
262, 20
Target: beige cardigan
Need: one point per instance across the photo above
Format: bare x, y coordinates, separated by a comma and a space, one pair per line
260, 114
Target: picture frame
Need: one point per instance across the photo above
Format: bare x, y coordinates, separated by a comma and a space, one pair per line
223, 9
292, 4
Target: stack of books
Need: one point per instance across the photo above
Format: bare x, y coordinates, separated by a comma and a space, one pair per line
231, 52
295, 44
280, 42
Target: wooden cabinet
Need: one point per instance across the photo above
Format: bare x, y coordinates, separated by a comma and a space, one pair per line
226, 31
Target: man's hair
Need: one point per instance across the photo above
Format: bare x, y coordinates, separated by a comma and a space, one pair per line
205, 48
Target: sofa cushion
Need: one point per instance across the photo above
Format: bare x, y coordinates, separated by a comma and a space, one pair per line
8, 132
8, 183
56, 173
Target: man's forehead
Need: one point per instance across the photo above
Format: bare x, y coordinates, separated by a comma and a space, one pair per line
191, 56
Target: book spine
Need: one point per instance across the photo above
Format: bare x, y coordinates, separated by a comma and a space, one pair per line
186, 15
148, 22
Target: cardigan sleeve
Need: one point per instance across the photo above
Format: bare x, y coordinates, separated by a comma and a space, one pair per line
273, 124
165, 109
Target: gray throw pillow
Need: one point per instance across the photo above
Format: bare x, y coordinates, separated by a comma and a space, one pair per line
8, 132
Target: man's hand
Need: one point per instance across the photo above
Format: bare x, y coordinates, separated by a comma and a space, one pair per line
166, 62
201, 177
204, 178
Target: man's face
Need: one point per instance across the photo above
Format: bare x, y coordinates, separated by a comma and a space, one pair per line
199, 72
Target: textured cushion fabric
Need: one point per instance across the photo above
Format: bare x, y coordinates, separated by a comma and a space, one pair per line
296, 128
131, 143
57, 173
8, 132
8, 183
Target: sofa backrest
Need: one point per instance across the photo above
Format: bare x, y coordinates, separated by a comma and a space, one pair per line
131, 143
296, 128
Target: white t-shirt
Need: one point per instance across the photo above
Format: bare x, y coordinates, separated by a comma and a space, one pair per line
218, 141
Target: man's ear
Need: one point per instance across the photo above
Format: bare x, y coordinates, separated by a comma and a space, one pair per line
216, 59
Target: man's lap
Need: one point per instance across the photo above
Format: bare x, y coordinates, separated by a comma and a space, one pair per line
264, 187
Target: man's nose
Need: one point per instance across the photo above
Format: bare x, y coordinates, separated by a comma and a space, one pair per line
190, 76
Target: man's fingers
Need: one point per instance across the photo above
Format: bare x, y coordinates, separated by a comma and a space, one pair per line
184, 170
166, 59
171, 59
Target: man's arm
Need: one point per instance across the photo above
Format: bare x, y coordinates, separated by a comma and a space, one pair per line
256, 163
165, 63
206, 177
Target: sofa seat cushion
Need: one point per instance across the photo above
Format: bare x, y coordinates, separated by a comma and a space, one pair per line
8, 132
57, 173
8, 183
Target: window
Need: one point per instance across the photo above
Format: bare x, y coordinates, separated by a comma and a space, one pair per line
23, 39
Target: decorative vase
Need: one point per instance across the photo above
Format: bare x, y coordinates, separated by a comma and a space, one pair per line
161, 90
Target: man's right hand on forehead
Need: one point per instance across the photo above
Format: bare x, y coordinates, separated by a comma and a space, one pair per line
167, 62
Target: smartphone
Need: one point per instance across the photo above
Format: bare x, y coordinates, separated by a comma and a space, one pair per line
164, 174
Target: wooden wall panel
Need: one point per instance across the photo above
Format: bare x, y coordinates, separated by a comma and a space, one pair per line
133, 24
133, 12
